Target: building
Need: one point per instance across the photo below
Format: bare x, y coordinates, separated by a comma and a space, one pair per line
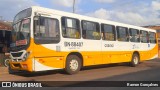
5, 37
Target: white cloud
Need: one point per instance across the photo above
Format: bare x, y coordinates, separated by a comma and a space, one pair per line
65, 3
141, 15
129, 17
9, 8
101, 13
156, 5
105, 1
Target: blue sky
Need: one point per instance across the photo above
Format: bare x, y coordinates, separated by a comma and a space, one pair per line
135, 12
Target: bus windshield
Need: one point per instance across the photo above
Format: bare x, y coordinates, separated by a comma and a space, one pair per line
23, 14
20, 34
21, 30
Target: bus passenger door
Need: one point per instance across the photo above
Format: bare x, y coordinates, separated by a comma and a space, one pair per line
47, 47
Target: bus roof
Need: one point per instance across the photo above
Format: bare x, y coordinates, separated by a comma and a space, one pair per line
48, 11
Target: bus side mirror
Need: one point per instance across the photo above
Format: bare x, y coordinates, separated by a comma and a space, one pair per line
36, 18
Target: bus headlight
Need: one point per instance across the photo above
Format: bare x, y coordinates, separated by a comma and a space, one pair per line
26, 56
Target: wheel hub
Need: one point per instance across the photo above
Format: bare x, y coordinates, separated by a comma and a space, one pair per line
135, 60
73, 65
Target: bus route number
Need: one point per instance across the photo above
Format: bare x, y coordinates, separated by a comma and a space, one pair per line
73, 44
108, 45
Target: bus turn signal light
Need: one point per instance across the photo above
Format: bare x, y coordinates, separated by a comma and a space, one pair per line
25, 66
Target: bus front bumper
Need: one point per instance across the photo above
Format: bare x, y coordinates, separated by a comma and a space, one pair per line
23, 65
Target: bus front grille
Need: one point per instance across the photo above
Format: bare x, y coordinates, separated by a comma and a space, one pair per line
18, 54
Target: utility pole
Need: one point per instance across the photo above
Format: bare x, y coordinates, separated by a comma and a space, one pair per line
74, 6
1, 18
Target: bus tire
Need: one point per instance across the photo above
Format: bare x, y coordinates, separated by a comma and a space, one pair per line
135, 60
10, 71
73, 64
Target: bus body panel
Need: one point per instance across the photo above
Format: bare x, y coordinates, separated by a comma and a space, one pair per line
94, 52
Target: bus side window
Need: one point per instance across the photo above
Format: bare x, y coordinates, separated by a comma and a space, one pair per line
152, 37
144, 36
108, 32
70, 28
134, 35
46, 30
122, 34
90, 30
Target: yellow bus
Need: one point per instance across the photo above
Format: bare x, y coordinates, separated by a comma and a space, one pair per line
46, 39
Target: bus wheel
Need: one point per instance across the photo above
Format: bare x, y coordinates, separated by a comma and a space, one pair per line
73, 64
135, 60
10, 71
